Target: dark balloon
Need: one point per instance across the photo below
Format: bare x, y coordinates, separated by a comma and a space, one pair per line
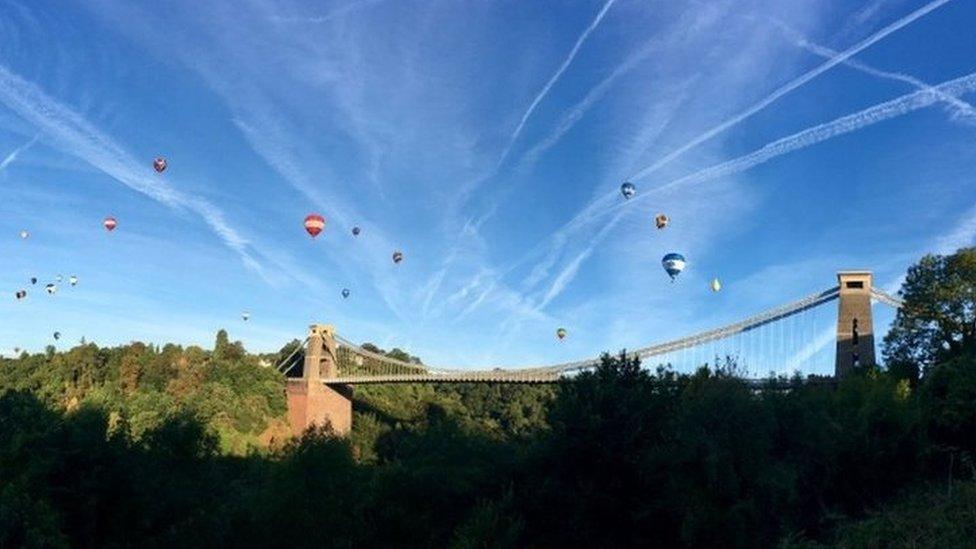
356, 231
628, 190
397, 257
159, 164
345, 293
673, 264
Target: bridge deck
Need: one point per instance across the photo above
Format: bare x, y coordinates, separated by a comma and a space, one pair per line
474, 377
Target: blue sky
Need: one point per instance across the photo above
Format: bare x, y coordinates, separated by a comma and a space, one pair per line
487, 141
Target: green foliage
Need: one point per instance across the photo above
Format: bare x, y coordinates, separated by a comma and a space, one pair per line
614, 457
927, 516
949, 397
938, 320
112, 447
144, 387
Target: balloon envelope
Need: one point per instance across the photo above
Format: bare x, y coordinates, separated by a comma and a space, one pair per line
345, 293
73, 280
159, 164
51, 288
110, 223
245, 315
661, 221
673, 263
314, 223
628, 190
716, 285
356, 231
561, 333
24, 234
57, 335
21, 294
397, 257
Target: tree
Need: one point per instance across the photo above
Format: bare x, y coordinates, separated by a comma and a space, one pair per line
221, 344
938, 319
372, 348
225, 350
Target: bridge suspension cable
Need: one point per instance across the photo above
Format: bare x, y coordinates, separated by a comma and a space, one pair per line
358, 365
289, 363
883, 297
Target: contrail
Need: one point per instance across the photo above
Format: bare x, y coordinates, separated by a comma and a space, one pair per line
16, 152
332, 15
569, 272
79, 137
959, 107
555, 77
840, 126
595, 94
801, 140
792, 85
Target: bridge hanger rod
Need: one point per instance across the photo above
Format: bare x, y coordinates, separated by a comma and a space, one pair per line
662, 348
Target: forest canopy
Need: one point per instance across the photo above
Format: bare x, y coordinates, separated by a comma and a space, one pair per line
174, 445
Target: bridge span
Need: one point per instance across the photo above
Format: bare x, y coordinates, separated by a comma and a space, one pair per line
322, 371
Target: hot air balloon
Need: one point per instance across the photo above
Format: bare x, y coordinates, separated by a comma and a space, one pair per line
159, 164
58, 278
110, 223
314, 223
245, 315
21, 294
356, 231
673, 263
73, 280
33, 280
561, 333
57, 335
51, 288
661, 221
345, 293
17, 351
24, 234
397, 256
716, 285
628, 190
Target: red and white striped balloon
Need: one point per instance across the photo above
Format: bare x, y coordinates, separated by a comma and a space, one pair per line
314, 223
110, 223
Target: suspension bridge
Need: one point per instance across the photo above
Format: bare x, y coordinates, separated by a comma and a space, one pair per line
322, 371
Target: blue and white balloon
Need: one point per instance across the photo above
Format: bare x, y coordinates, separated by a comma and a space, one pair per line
628, 190
673, 263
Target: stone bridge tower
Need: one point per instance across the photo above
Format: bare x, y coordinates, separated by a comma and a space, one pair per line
855, 328
311, 402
